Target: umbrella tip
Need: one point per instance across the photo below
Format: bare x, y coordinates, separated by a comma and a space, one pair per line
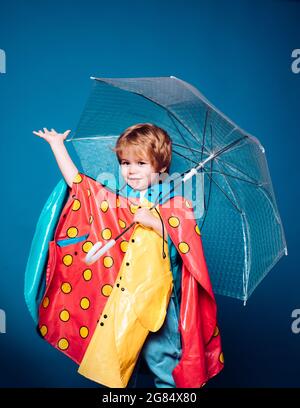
91, 77
262, 148
285, 251
171, 76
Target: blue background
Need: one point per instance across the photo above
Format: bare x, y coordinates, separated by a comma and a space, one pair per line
238, 54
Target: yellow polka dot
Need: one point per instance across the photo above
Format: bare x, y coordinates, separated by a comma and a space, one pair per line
84, 332
46, 302
76, 205
66, 287
63, 344
118, 202
108, 261
77, 179
133, 208
87, 274
43, 330
84, 303
216, 332
197, 229
124, 246
87, 246
183, 247
64, 315
122, 223
188, 204
221, 358
106, 290
174, 222
91, 219
106, 233
89, 192
67, 260
72, 232
104, 206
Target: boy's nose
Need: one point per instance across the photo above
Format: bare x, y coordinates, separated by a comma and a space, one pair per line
132, 168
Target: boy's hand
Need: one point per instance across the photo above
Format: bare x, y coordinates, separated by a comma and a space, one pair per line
51, 136
145, 217
64, 161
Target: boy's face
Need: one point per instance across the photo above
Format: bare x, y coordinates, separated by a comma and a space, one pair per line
138, 173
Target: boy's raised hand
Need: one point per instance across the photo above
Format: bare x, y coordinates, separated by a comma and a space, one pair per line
64, 161
51, 136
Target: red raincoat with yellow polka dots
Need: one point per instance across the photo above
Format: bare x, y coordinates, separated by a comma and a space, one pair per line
76, 294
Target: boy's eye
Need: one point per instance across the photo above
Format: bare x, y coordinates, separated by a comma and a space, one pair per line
140, 163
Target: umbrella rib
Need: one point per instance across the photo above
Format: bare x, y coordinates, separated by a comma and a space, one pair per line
214, 154
236, 169
218, 158
224, 149
216, 171
204, 132
208, 200
240, 139
167, 109
231, 145
211, 135
235, 177
268, 196
185, 157
189, 148
230, 188
170, 116
259, 185
222, 191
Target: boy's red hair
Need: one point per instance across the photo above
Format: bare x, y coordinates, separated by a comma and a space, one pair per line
148, 141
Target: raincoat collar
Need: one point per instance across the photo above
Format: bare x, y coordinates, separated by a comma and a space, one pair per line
156, 193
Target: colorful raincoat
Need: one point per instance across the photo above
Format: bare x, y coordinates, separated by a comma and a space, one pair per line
100, 315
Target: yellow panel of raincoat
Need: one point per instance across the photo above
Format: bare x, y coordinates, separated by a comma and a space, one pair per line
136, 305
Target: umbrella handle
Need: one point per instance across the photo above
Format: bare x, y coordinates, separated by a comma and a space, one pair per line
95, 252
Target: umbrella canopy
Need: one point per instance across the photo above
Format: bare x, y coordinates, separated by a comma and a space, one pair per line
236, 209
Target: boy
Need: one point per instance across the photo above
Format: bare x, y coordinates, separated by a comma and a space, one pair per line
143, 151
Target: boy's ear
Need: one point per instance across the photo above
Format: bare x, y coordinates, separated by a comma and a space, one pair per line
162, 170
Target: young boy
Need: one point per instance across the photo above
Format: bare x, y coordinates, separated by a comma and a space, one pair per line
163, 321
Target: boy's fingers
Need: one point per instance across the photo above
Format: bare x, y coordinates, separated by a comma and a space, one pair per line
37, 133
67, 132
46, 130
53, 130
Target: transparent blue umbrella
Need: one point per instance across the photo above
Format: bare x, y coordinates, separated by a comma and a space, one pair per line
236, 209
